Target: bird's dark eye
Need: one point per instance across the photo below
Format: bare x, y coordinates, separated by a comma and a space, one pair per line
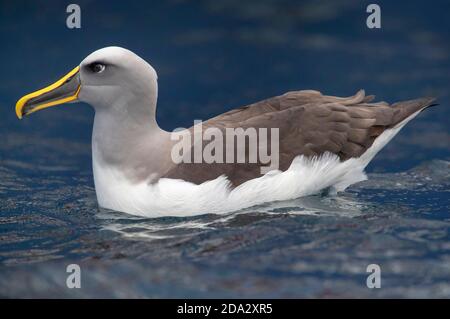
97, 67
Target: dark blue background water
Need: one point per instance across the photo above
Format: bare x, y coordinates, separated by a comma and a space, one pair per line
212, 56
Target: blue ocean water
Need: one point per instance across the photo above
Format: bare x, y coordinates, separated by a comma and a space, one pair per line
212, 56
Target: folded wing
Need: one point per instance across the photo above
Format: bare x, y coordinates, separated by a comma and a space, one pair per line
309, 124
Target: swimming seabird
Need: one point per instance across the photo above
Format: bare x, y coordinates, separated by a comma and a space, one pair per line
325, 142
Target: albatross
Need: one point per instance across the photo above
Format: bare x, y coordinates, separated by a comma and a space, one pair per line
325, 142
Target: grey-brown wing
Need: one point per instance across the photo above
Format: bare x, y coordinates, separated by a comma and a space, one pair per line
309, 124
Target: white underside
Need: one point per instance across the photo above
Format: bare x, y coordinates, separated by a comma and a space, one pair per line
172, 197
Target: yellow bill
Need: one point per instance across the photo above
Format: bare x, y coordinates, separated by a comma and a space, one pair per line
62, 91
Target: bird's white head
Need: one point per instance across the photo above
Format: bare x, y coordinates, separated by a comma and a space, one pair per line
111, 79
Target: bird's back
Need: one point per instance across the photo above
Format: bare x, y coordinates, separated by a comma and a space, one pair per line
309, 124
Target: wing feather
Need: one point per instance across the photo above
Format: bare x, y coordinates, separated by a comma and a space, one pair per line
309, 124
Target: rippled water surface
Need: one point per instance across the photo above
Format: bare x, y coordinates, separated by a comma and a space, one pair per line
212, 56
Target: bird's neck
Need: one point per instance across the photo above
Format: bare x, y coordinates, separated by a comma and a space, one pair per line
131, 143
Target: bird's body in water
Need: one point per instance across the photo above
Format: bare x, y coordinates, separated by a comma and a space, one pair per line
325, 142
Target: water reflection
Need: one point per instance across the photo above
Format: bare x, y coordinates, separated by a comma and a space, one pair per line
178, 227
